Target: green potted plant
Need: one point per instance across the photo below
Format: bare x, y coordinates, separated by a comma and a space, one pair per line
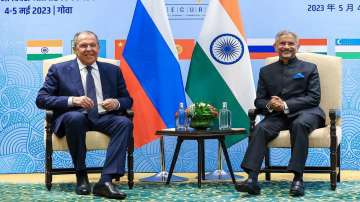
201, 115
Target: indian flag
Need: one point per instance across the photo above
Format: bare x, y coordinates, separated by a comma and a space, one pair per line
313, 46
44, 49
348, 48
220, 68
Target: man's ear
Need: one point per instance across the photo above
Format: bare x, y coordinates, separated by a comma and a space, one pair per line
275, 47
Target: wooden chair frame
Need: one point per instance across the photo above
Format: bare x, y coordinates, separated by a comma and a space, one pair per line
333, 169
330, 70
50, 171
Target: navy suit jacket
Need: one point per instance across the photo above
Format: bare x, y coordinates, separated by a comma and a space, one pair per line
64, 80
297, 83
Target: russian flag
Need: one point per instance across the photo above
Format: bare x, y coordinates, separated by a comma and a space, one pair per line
261, 48
152, 71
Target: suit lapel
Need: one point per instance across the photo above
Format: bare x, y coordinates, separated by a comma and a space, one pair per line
74, 73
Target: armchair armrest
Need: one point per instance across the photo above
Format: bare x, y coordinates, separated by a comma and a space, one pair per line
128, 113
48, 136
48, 118
49, 115
252, 113
334, 115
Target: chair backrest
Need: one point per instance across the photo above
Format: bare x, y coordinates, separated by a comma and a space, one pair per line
47, 63
330, 72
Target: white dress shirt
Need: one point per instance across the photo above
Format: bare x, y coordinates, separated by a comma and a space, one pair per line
96, 75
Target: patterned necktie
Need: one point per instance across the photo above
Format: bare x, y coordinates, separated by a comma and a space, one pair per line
91, 93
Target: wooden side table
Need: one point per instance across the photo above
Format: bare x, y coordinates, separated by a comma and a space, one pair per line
200, 136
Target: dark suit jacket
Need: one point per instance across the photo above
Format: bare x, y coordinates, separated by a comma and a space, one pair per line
64, 80
297, 83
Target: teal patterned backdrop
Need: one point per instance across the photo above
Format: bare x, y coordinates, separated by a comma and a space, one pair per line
22, 124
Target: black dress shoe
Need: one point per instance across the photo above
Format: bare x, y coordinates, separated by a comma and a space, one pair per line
297, 188
108, 190
248, 186
82, 184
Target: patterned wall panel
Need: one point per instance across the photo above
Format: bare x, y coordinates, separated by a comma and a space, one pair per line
22, 124
350, 146
20, 121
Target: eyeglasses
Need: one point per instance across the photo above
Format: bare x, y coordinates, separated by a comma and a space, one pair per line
284, 43
85, 46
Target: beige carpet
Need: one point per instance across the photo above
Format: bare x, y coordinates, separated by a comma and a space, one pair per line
39, 178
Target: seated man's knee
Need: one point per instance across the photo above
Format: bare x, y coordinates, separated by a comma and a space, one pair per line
300, 123
264, 130
122, 126
259, 132
74, 117
260, 128
128, 123
124, 122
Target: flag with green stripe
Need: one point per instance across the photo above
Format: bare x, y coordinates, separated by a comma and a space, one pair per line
220, 68
44, 49
348, 48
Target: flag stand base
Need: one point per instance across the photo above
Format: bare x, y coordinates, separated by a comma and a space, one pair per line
219, 175
162, 177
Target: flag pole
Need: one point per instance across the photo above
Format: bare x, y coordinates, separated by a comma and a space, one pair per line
219, 174
163, 174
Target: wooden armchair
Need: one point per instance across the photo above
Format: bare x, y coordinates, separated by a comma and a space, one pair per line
329, 68
94, 140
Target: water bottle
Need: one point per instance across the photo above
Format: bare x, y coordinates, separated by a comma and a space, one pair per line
224, 117
181, 117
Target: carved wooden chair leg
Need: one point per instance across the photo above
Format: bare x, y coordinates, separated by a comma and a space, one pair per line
48, 171
338, 164
333, 162
131, 163
267, 165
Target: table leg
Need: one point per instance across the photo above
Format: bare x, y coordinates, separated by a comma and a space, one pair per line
200, 160
221, 139
173, 161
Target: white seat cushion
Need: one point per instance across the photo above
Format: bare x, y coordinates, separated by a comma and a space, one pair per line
94, 141
318, 138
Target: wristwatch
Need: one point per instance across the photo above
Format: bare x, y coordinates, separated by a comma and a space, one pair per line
286, 108
269, 108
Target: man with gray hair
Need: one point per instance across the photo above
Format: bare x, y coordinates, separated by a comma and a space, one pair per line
288, 94
86, 94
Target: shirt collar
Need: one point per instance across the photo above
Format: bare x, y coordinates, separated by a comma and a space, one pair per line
291, 61
82, 66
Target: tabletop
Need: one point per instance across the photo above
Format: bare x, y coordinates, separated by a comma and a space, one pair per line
201, 133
